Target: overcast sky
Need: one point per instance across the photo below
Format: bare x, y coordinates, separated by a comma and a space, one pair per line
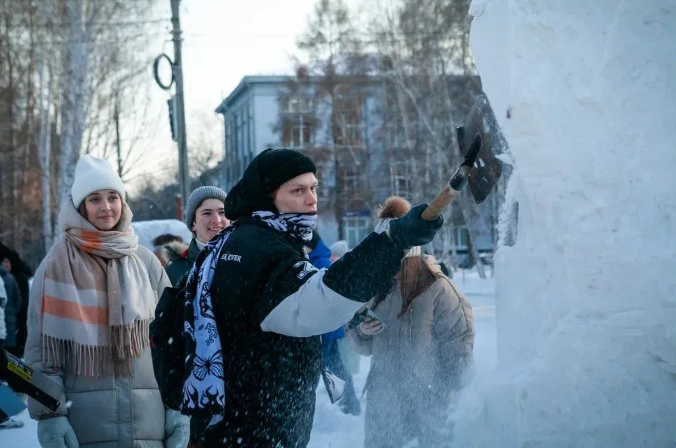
223, 41
227, 39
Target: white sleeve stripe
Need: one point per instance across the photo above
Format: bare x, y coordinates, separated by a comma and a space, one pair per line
312, 310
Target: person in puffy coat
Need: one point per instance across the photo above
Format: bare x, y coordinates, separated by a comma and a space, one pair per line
91, 303
422, 352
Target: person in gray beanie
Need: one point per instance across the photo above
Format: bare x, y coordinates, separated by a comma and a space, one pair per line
205, 217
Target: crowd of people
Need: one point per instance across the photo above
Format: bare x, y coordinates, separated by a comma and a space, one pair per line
265, 308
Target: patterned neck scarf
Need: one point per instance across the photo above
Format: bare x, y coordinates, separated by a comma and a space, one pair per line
204, 388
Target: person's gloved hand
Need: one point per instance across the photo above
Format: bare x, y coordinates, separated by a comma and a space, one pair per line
176, 429
411, 230
370, 327
56, 432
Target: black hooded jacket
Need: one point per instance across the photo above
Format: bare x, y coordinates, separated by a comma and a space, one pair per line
22, 273
270, 304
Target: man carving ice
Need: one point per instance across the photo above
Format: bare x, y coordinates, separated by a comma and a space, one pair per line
251, 326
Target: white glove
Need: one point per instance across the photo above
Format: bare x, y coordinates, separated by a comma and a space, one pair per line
176, 429
56, 432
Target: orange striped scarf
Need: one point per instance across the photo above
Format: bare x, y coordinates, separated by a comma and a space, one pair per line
97, 300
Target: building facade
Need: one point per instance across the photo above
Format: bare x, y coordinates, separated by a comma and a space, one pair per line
343, 126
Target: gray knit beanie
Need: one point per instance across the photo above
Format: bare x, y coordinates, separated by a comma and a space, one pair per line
196, 198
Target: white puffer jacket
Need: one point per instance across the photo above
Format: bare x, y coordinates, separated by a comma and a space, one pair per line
104, 412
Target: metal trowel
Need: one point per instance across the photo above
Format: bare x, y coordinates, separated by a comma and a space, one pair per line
479, 140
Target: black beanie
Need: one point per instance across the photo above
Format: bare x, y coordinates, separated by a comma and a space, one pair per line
266, 172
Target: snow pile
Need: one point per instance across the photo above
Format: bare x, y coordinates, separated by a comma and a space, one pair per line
147, 231
585, 92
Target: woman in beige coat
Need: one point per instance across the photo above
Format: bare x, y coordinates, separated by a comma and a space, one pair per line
90, 306
421, 355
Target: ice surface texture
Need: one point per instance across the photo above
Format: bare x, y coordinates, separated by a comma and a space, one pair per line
585, 93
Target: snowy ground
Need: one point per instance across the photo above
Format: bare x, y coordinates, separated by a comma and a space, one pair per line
333, 429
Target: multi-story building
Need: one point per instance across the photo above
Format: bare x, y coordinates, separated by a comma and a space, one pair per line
344, 127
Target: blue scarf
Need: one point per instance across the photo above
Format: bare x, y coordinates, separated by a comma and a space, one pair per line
204, 387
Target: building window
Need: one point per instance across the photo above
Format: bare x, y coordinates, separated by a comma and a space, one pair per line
325, 176
400, 174
352, 181
244, 131
394, 132
348, 126
460, 237
351, 134
239, 144
297, 104
297, 134
297, 121
356, 228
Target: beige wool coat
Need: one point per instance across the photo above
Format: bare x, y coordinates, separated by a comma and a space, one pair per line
112, 412
418, 363
431, 341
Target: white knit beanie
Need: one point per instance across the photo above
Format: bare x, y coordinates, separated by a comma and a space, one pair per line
93, 174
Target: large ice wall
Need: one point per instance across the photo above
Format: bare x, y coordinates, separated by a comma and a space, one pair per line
585, 92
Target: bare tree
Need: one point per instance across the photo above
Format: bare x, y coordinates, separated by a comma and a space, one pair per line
102, 71
424, 44
59, 62
205, 147
19, 200
45, 88
333, 76
416, 53
80, 15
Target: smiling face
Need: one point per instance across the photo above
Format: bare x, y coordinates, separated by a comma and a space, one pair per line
103, 209
209, 220
299, 195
